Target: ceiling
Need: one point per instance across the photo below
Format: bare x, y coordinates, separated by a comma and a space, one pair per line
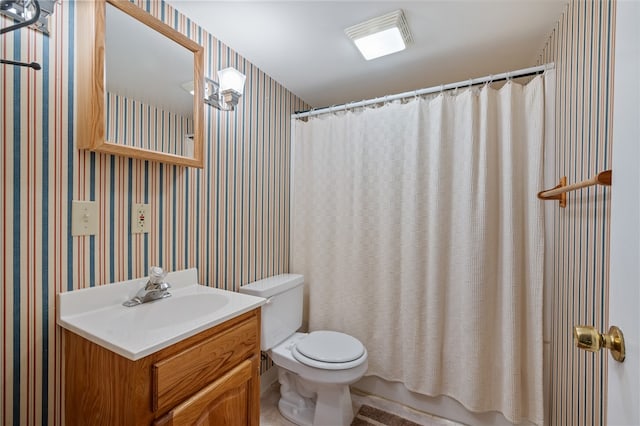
302, 45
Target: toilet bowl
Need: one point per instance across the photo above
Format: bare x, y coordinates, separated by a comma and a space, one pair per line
315, 392
314, 369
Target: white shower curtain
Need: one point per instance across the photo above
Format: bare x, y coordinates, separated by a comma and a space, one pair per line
418, 230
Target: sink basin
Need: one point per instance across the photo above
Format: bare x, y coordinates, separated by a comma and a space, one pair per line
169, 312
134, 332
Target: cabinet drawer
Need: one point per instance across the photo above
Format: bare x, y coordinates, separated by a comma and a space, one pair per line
178, 377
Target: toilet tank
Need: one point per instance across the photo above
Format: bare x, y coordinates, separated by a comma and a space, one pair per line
282, 314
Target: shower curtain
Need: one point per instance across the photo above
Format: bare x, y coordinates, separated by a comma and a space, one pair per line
417, 228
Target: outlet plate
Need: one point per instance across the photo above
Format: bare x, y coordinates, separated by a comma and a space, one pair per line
84, 218
141, 218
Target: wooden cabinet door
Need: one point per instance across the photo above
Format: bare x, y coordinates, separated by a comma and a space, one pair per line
229, 401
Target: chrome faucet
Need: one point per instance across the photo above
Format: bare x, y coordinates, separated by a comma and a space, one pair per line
156, 288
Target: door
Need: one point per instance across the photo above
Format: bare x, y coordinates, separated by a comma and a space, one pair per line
623, 397
226, 402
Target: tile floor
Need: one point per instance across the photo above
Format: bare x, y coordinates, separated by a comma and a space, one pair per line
270, 416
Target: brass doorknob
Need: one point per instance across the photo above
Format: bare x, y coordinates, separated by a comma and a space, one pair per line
588, 338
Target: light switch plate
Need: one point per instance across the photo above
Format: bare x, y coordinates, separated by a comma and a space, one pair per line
141, 218
84, 218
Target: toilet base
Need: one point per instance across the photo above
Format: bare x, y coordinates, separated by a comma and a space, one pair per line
307, 404
333, 406
302, 416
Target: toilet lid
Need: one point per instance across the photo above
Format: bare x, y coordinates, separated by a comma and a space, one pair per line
330, 347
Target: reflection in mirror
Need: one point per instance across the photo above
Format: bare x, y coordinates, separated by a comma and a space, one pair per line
147, 77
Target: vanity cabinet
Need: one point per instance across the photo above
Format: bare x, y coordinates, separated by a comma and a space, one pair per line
211, 378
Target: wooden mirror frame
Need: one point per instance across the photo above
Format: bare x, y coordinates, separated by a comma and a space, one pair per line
90, 85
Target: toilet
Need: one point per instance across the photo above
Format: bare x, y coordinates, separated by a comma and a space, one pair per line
314, 369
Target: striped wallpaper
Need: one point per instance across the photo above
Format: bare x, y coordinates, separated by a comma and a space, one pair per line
582, 48
229, 219
134, 123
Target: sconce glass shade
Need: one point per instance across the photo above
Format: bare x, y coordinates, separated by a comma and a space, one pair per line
231, 79
225, 94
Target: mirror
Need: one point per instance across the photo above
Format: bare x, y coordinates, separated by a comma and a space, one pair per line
152, 113
135, 75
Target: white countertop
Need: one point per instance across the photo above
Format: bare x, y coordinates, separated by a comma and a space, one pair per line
134, 332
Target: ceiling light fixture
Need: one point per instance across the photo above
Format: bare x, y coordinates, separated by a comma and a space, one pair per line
381, 36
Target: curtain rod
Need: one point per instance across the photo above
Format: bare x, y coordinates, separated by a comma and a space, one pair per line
525, 72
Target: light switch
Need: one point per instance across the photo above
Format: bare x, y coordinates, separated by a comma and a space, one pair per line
140, 218
84, 218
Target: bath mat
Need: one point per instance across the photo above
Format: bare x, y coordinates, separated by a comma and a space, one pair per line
369, 416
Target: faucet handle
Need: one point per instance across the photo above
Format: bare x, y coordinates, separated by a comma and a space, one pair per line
156, 275
156, 279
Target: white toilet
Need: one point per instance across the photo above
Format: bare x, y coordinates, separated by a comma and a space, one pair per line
314, 369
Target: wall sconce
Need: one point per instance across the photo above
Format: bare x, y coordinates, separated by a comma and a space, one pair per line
28, 13
224, 95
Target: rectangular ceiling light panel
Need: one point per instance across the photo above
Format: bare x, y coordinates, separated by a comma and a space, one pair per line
381, 36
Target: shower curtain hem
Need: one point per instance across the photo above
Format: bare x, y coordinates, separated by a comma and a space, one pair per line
459, 401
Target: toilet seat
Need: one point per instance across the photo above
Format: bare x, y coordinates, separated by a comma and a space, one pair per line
329, 350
